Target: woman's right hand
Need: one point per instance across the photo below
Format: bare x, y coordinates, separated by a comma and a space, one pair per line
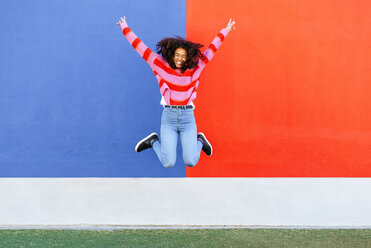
121, 21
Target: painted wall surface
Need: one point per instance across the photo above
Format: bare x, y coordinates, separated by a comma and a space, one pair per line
287, 95
75, 96
325, 202
289, 92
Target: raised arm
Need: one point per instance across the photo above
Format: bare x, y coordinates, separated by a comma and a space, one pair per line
215, 44
138, 45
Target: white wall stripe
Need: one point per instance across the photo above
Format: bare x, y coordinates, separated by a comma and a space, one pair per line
317, 202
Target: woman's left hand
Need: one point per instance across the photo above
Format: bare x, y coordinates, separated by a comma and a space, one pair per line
230, 25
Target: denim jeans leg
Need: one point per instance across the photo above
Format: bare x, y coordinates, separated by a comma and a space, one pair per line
166, 149
188, 137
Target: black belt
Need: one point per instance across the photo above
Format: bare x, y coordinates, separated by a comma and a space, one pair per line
179, 106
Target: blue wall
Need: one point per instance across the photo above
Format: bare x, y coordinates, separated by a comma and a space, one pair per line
74, 95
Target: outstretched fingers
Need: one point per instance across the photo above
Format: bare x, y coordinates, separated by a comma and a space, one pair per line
230, 25
121, 21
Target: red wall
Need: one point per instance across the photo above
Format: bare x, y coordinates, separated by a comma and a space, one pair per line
289, 92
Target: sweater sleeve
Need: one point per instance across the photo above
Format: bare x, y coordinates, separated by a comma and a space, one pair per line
138, 45
214, 46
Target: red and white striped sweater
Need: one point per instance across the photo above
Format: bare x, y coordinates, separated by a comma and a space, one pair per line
176, 88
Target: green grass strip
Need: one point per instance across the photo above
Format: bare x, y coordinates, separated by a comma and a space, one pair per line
188, 238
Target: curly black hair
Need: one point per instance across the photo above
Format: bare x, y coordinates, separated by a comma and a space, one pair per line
167, 46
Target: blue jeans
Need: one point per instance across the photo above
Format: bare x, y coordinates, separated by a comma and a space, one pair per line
176, 122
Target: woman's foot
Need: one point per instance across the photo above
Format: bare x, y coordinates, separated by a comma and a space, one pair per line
206, 146
146, 143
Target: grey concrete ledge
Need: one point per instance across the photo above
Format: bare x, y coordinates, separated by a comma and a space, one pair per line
154, 227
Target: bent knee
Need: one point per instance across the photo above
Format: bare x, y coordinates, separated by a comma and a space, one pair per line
168, 160
191, 162
168, 163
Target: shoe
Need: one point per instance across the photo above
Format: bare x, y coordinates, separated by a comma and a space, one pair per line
146, 142
206, 146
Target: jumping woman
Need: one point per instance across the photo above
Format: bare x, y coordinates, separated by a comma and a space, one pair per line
177, 66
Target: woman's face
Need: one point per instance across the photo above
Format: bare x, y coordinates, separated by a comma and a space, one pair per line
180, 57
